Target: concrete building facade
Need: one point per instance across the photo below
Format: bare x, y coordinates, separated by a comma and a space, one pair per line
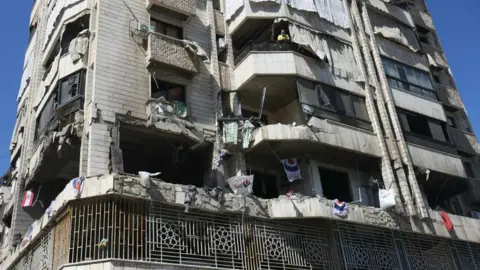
192, 134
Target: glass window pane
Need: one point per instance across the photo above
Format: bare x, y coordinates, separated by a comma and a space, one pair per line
411, 75
416, 90
346, 103
393, 83
402, 73
429, 94
390, 68
360, 108
327, 97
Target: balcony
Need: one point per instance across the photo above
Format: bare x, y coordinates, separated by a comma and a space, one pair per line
437, 55
417, 102
151, 229
319, 132
265, 63
463, 141
184, 8
421, 18
437, 161
449, 96
219, 23
167, 51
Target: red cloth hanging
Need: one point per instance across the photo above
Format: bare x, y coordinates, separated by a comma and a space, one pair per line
446, 221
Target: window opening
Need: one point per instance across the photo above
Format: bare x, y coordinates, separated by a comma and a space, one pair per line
409, 79
170, 91
335, 185
468, 169
418, 124
167, 29
265, 185
451, 122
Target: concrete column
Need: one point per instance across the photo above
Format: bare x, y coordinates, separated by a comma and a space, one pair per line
400, 140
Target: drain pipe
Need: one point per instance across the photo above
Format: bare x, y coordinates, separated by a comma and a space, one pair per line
397, 164
405, 155
387, 172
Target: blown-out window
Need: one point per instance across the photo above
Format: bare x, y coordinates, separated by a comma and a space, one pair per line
333, 103
170, 91
406, 78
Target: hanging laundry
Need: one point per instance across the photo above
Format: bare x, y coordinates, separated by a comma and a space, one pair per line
28, 199
241, 185
77, 186
103, 243
247, 131
145, 178
340, 208
386, 198
292, 170
446, 221
230, 132
220, 157
49, 210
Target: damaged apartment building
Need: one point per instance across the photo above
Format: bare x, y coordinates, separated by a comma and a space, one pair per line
239, 134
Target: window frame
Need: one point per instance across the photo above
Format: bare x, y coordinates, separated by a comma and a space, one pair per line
165, 25
168, 83
400, 81
338, 98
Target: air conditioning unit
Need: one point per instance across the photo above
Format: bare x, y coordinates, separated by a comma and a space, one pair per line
143, 28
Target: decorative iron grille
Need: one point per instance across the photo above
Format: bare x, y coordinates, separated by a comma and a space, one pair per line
366, 247
426, 252
468, 254
288, 245
108, 228
61, 239
195, 238
41, 256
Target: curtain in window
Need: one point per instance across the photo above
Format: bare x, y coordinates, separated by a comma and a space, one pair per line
316, 42
394, 31
343, 60
306, 5
401, 54
333, 11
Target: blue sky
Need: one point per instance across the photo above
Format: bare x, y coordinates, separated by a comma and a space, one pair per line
457, 25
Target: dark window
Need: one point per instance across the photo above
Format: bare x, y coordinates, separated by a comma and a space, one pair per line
64, 92
423, 34
418, 124
406, 78
170, 91
265, 185
468, 169
451, 122
335, 185
167, 29
46, 115
216, 5
342, 102
32, 31
436, 78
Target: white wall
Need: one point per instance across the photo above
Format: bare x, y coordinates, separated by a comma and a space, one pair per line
436, 161
414, 103
289, 63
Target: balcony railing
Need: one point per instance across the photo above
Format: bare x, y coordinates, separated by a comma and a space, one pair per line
271, 46
185, 7
154, 233
449, 96
170, 51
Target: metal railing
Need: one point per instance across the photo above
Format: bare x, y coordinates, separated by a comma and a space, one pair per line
153, 232
271, 46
